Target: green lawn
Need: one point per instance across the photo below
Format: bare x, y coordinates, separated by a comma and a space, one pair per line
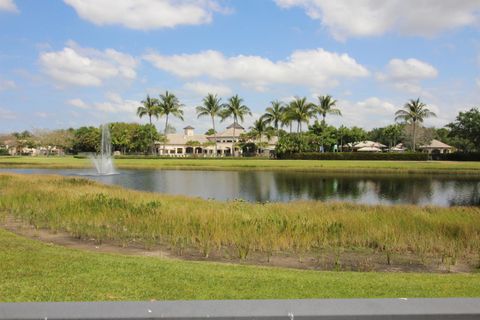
34, 271
260, 164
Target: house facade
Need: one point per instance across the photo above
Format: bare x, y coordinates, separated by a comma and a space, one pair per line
189, 143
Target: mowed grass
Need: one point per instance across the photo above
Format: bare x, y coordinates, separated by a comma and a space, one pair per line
89, 210
34, 271
253, 164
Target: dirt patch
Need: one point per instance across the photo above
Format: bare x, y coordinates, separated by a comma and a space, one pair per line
344, 260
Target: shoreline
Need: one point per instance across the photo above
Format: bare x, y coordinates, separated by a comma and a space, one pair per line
327, 166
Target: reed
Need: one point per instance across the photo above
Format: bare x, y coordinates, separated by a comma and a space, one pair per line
89, 210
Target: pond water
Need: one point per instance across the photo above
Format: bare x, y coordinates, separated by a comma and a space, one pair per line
284, 186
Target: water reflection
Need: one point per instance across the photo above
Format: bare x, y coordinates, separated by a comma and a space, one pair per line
263, 186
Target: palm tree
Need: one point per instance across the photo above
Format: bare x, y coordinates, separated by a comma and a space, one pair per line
169, 104
236, 109
274, 114
261, 128
211, 108
414, 111
286, 119
326, 106
150, 108
301, 111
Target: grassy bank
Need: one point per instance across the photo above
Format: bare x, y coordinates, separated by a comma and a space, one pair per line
328, 232
33, 271
254, 164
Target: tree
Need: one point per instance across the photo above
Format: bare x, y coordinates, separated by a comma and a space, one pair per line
326, 135
326, 106
169, 105
86, 139
61, 138
286, 119
122, 135
274, 114
423, 136
142, 136
237, 110
212, 108
210, 132
261, 128
301, 111
414, 112
151, 109
393, 134
466, 128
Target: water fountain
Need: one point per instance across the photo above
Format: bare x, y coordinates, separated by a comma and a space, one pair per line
104, 160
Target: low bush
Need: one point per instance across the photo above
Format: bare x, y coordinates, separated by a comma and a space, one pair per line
457, 156
354, 156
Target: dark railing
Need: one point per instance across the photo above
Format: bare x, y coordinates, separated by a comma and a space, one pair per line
359, 309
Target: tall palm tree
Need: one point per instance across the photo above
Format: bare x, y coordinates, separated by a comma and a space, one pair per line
414, 111
151, 109
211, 107
286, 119
169, 104
261, 128
274, 114
237, 110
326, 106
301, 111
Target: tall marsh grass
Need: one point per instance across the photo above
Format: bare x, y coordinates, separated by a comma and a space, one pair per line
88, 210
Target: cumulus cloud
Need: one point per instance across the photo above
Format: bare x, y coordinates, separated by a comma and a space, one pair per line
146, 14
114, 104
203, 88
346, 18
7, 85
79, 66
313, 68
360, 113
78, 103
8, 5
406, 75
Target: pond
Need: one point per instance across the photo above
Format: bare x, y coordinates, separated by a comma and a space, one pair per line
284, 186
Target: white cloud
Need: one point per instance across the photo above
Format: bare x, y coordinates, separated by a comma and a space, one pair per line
114, 104
477, 81
86, 66
347, 18
6, 114
7, 85
313, 68
78, 103
202, 88
8, 5
146, 14
406, 75
369, 113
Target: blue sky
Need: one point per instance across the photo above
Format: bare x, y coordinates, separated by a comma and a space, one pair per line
85, 62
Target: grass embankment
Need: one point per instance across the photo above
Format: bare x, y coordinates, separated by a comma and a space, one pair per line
328, 235
34, 271
253, 164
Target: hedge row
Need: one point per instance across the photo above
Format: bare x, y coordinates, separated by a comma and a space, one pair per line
354, 156
458, 156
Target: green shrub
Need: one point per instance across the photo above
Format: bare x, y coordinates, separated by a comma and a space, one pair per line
355, 156
457, 156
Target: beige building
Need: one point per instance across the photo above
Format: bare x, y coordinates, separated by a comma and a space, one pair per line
189, 143
436, 146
